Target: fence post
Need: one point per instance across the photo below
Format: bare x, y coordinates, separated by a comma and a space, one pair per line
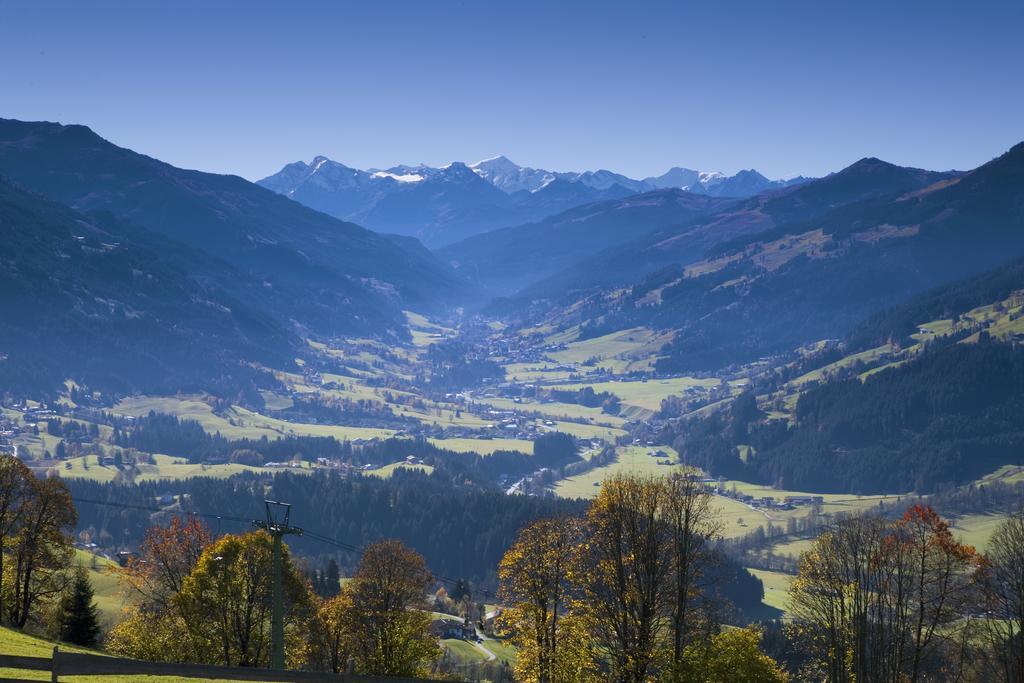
53, 665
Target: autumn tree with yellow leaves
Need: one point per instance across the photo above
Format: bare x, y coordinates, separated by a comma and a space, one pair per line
385, 614
537, 578
692, 521
620, 595
154, 627
36, 551
226, 600
731, 656
626, 581
331, 644
209, 601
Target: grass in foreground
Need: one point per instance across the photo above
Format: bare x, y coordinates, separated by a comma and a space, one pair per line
14, 642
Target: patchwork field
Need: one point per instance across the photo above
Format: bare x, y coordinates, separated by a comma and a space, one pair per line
555, 410
648, 394
620, 352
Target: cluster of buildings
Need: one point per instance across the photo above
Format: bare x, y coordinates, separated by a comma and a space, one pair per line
521, 348
764, 502
11, 430
8, 432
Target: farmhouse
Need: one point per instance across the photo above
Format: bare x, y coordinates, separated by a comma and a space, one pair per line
805, 500
452, 628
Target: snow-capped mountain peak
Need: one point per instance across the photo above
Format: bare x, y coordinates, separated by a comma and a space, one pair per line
509, 177
444, 204
400, 177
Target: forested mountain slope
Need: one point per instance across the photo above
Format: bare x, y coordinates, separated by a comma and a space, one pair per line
950, 416
819, 274
680, 243
88, 298
299, 264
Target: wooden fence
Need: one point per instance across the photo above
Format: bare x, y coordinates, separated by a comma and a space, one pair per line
73, 664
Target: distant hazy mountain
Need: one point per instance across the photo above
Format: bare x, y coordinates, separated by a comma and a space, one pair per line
677, 176
510, 259
744, 184
301, 266
443, 205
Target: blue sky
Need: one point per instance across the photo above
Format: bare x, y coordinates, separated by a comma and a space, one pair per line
636, 87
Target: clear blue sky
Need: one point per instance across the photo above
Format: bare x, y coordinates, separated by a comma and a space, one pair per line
784, 87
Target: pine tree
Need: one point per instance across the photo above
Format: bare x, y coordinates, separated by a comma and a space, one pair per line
333, 579
81, 617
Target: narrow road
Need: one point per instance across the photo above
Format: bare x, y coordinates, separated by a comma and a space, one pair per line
480, 646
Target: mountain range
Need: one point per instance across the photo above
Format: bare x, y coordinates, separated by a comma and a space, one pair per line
94, 233
444, 205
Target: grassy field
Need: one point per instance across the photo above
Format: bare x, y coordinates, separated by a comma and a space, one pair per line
619, 352
535, 372
585, 431
239, 423
739, 518
776, 587
388, 470
190, 409
977, 529
1007, 474
463, 651
16, 643
276, 401
424, 332
109, 596
282, 428
834, 502
502, 650
868, 356
632, 459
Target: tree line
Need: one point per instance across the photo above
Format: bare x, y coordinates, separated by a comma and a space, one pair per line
461, 528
